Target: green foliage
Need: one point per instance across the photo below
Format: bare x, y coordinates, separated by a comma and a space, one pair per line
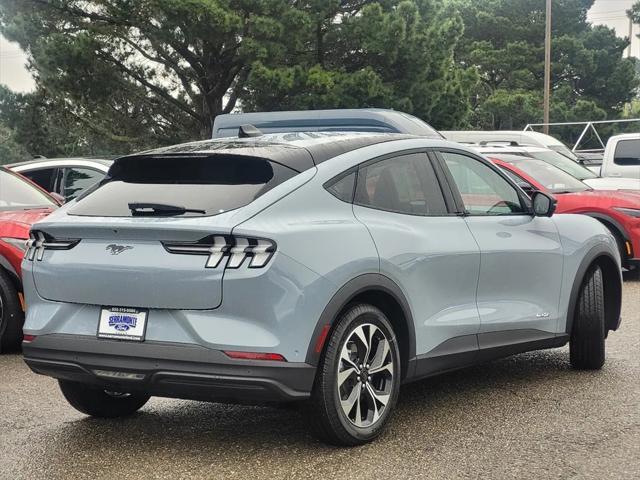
634, 12
504, 40
370, 54
10, 149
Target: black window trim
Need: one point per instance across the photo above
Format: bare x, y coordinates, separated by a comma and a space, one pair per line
525, 201
448, 197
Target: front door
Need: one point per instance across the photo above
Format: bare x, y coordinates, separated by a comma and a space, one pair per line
520, 255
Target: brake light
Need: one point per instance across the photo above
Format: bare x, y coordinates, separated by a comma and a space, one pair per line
28, 338
234, 249
40, 241
274, 357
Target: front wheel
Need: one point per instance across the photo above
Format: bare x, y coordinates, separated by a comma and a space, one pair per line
99, 402
358, 378
587, 350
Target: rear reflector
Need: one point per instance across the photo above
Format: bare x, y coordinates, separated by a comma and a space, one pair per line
28, 338
322, 338
274, 357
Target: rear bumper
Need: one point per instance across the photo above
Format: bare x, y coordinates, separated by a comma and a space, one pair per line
167, 370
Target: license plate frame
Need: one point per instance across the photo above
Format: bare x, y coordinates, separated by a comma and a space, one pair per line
123, 323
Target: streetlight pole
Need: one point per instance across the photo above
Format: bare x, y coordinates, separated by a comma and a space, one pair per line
547, 67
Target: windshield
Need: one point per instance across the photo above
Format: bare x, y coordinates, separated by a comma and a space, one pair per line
563, 163
184, 186
16, 193
563, 150
552, 178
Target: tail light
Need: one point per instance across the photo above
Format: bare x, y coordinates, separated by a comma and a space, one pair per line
40, 241
235, 249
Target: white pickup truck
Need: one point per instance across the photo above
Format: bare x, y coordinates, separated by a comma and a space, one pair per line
622, 157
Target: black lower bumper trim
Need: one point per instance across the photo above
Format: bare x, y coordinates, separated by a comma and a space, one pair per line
168, 370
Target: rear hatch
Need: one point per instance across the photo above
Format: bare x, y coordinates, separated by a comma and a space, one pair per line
145, 236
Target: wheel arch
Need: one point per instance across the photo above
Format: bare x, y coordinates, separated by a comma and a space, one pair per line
381, 292
612, 281
616, 229
5, 267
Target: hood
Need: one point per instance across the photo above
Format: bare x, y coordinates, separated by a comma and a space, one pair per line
16, 223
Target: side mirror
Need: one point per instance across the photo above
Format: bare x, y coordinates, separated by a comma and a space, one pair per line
543, 205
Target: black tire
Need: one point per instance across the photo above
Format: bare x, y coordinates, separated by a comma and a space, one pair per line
328, 420
98, 403
11, 315
587, 349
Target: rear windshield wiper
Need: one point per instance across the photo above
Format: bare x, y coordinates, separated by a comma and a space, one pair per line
159, 209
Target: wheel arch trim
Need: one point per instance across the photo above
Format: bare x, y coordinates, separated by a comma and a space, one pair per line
369, 282
588, 260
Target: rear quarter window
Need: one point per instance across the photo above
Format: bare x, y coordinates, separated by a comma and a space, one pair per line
208, 185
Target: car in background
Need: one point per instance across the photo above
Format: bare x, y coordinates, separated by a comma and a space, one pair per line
619, 211
21, 204
375, 120
516, 137
66, 177
622, 157
574, 169
351, 263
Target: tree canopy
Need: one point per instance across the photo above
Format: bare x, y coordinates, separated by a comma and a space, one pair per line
115, 76
504, 40
148, 72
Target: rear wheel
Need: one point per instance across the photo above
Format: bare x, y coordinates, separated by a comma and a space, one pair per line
11, 316
99, 402
358, 378
587, 349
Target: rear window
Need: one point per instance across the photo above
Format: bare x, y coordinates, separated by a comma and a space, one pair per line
17, 193
202, 185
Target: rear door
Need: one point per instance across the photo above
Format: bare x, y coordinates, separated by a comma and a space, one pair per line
426, 249
521, 255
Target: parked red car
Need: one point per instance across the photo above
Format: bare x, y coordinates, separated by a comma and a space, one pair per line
22, 203
619, 210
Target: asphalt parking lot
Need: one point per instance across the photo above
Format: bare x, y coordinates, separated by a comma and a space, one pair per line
527, 416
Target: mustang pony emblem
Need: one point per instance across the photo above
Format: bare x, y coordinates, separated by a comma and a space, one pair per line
117, 249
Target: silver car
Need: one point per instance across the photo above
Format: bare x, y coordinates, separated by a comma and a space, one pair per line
322, 267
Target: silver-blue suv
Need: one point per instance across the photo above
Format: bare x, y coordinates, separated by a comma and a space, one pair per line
327, 267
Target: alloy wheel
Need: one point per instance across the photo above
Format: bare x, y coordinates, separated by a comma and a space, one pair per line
365, 375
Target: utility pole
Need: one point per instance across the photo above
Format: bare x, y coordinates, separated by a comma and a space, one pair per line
547, 67
630, 35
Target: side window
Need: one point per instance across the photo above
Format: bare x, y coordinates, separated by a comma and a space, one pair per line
343, 187
78, 179
44, 177
627, 153
403, 184
517, 179
483, 191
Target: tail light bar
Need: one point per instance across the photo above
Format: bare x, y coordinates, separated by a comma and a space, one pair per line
219, 247
40, 241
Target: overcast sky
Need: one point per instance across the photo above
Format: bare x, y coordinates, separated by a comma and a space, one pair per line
14, 74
